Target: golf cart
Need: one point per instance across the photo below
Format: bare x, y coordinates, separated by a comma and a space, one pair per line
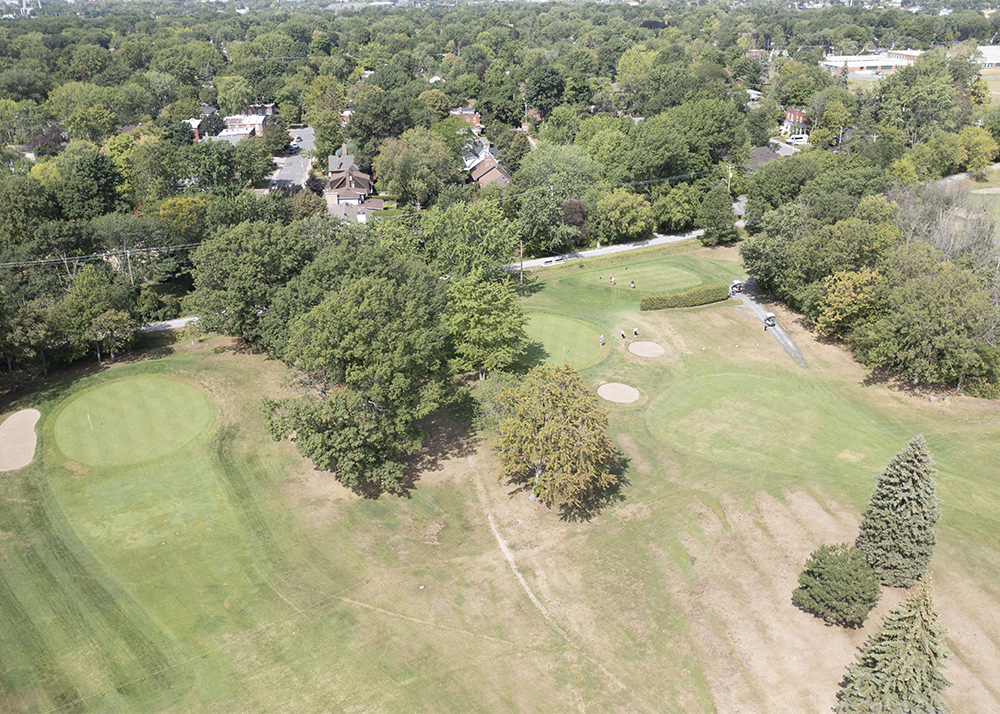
736, 287
769, 321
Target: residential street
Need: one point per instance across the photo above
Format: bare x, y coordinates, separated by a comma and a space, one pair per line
293, 170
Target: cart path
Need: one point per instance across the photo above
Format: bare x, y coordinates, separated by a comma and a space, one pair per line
777, 332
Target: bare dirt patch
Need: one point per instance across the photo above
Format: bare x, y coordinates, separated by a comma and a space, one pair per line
761, 654
618, 392
646, 349
18, 439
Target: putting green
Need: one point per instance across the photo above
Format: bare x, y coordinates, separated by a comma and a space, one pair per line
565, 339
131, 420
649, 278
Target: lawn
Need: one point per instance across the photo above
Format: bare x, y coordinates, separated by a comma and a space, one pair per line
174, 559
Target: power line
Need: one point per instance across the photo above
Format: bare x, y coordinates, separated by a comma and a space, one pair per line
125, 252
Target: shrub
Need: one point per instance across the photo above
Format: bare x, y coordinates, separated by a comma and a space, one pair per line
702, 295
838, 585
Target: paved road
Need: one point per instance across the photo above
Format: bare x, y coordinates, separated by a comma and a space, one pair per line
759, 311
168, 325
293, 170
657, 239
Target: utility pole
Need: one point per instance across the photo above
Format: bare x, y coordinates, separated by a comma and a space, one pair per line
522, 264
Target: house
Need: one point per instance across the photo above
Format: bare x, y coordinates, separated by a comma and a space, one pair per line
250, 123
489, 172
470, 115
233, 136
796, 121
346, 181
352, 212
194, 124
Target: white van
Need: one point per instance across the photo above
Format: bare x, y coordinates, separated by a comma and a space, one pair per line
798, 139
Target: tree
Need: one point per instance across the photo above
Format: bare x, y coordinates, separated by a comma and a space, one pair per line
838, 585
716, 217
897, 528
898, 668
377, 116
112, 329
437, 101
464, 238
980, 150
237, 273
373, 354
675, 210
544, 89
623, 217
96, 290
415, 167
553, 437
486, 323
235, 94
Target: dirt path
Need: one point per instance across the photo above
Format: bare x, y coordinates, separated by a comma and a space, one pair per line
779, 335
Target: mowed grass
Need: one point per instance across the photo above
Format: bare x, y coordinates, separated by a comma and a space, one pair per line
224, 575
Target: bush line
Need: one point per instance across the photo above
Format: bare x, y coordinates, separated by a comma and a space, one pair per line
702, 295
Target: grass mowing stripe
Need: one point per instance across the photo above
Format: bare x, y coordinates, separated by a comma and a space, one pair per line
234, 470
20, 636
121, 616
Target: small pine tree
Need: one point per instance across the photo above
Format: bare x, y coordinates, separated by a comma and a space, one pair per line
838, 585
898, 669
897, 528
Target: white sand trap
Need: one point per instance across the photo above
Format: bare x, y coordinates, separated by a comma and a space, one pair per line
618, 392
646, 349
18, 439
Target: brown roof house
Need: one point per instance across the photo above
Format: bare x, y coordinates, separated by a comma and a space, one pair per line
489, 172
349, 190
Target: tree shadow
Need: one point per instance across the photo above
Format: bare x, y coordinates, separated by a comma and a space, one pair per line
449, 435
534, 354
239, 346
597, 501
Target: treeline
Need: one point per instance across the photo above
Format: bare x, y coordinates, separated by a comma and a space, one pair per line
909, 282
364, 317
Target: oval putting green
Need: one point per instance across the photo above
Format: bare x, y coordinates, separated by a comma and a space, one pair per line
564, 339
131, 420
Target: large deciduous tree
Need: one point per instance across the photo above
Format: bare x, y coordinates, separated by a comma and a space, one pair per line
897, 528
623, 217
238, 272
415, 167
898, 669
553, 437
373, 355
486, 323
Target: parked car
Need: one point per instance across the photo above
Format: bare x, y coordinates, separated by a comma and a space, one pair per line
798, 139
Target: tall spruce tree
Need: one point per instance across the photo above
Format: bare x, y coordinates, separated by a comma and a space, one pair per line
898, 669
897, 528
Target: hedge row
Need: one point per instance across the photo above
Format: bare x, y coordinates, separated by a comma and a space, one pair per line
692, 298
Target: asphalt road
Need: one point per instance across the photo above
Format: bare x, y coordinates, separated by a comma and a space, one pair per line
293, 170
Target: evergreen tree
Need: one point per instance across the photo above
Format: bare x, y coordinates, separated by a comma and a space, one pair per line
838, 585
898, 667
897, 528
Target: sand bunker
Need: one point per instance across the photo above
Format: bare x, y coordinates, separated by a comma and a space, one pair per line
646, 349
18, 439
618, 392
